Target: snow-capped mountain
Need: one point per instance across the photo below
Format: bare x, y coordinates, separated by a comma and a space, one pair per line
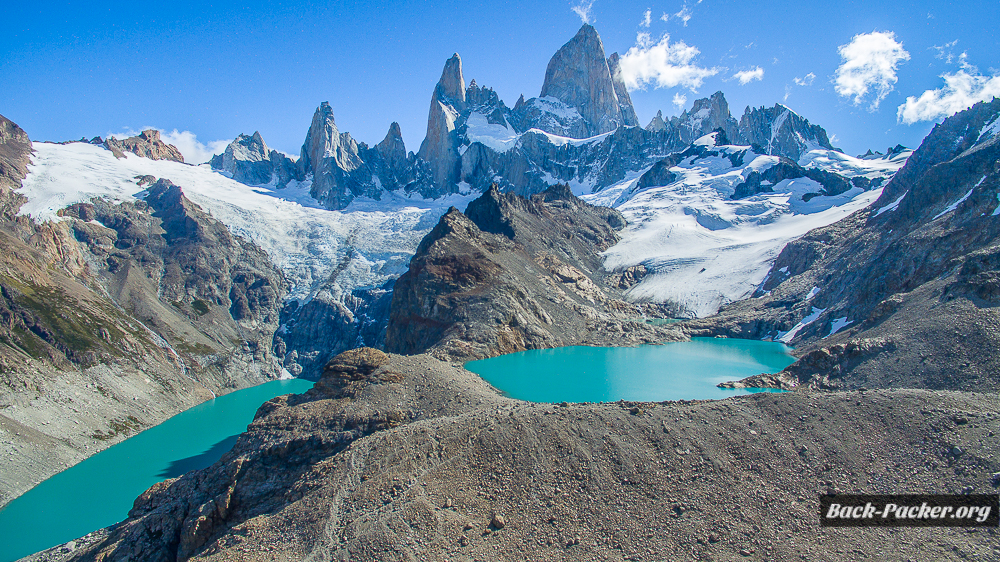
903, 292
704, 240
711, 200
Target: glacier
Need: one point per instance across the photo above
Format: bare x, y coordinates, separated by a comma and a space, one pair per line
371, 241
703, 249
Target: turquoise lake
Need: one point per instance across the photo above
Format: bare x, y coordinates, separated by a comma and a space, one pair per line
673, 371
100, 490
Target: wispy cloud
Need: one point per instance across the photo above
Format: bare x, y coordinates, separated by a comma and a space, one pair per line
583, 10
663, 65
960, 91
870, 64
680, 100
806, 80
665, 17
647, 18
686, 12
747, 76
944, 52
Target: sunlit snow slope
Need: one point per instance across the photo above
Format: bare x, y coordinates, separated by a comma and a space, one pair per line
703, 249
363, 245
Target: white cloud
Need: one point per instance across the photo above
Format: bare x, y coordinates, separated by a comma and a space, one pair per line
662, 64
647, 18
961, 90
193, 150
665, 17
806, 80
870, 64
686, 13
944, 51
747, 76
680, 100
583, 10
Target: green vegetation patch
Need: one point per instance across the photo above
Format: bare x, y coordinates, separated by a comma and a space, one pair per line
200, 306
118, 426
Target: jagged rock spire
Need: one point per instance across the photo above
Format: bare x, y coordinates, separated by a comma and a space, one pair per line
324, 141
579, 76
447, 102
392, 148
657, 124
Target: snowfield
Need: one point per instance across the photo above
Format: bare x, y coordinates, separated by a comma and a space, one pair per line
702, 249
368, 243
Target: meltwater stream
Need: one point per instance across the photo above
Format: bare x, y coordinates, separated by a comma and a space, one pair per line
99, 491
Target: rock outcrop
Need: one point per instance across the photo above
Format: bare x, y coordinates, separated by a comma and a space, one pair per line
146, 144
629, 118
902, 293
330, 156
392, 148
513, 274
707, 115
15, 154
248, 160
785, 169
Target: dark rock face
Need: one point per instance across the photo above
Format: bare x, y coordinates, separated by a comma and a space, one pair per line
147, 144
660, 173
313, 332
909, 283
166, 249
785, 169
514, 274
15, 153
248, 160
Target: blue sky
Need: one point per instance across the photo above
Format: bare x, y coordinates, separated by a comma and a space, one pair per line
214, 70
